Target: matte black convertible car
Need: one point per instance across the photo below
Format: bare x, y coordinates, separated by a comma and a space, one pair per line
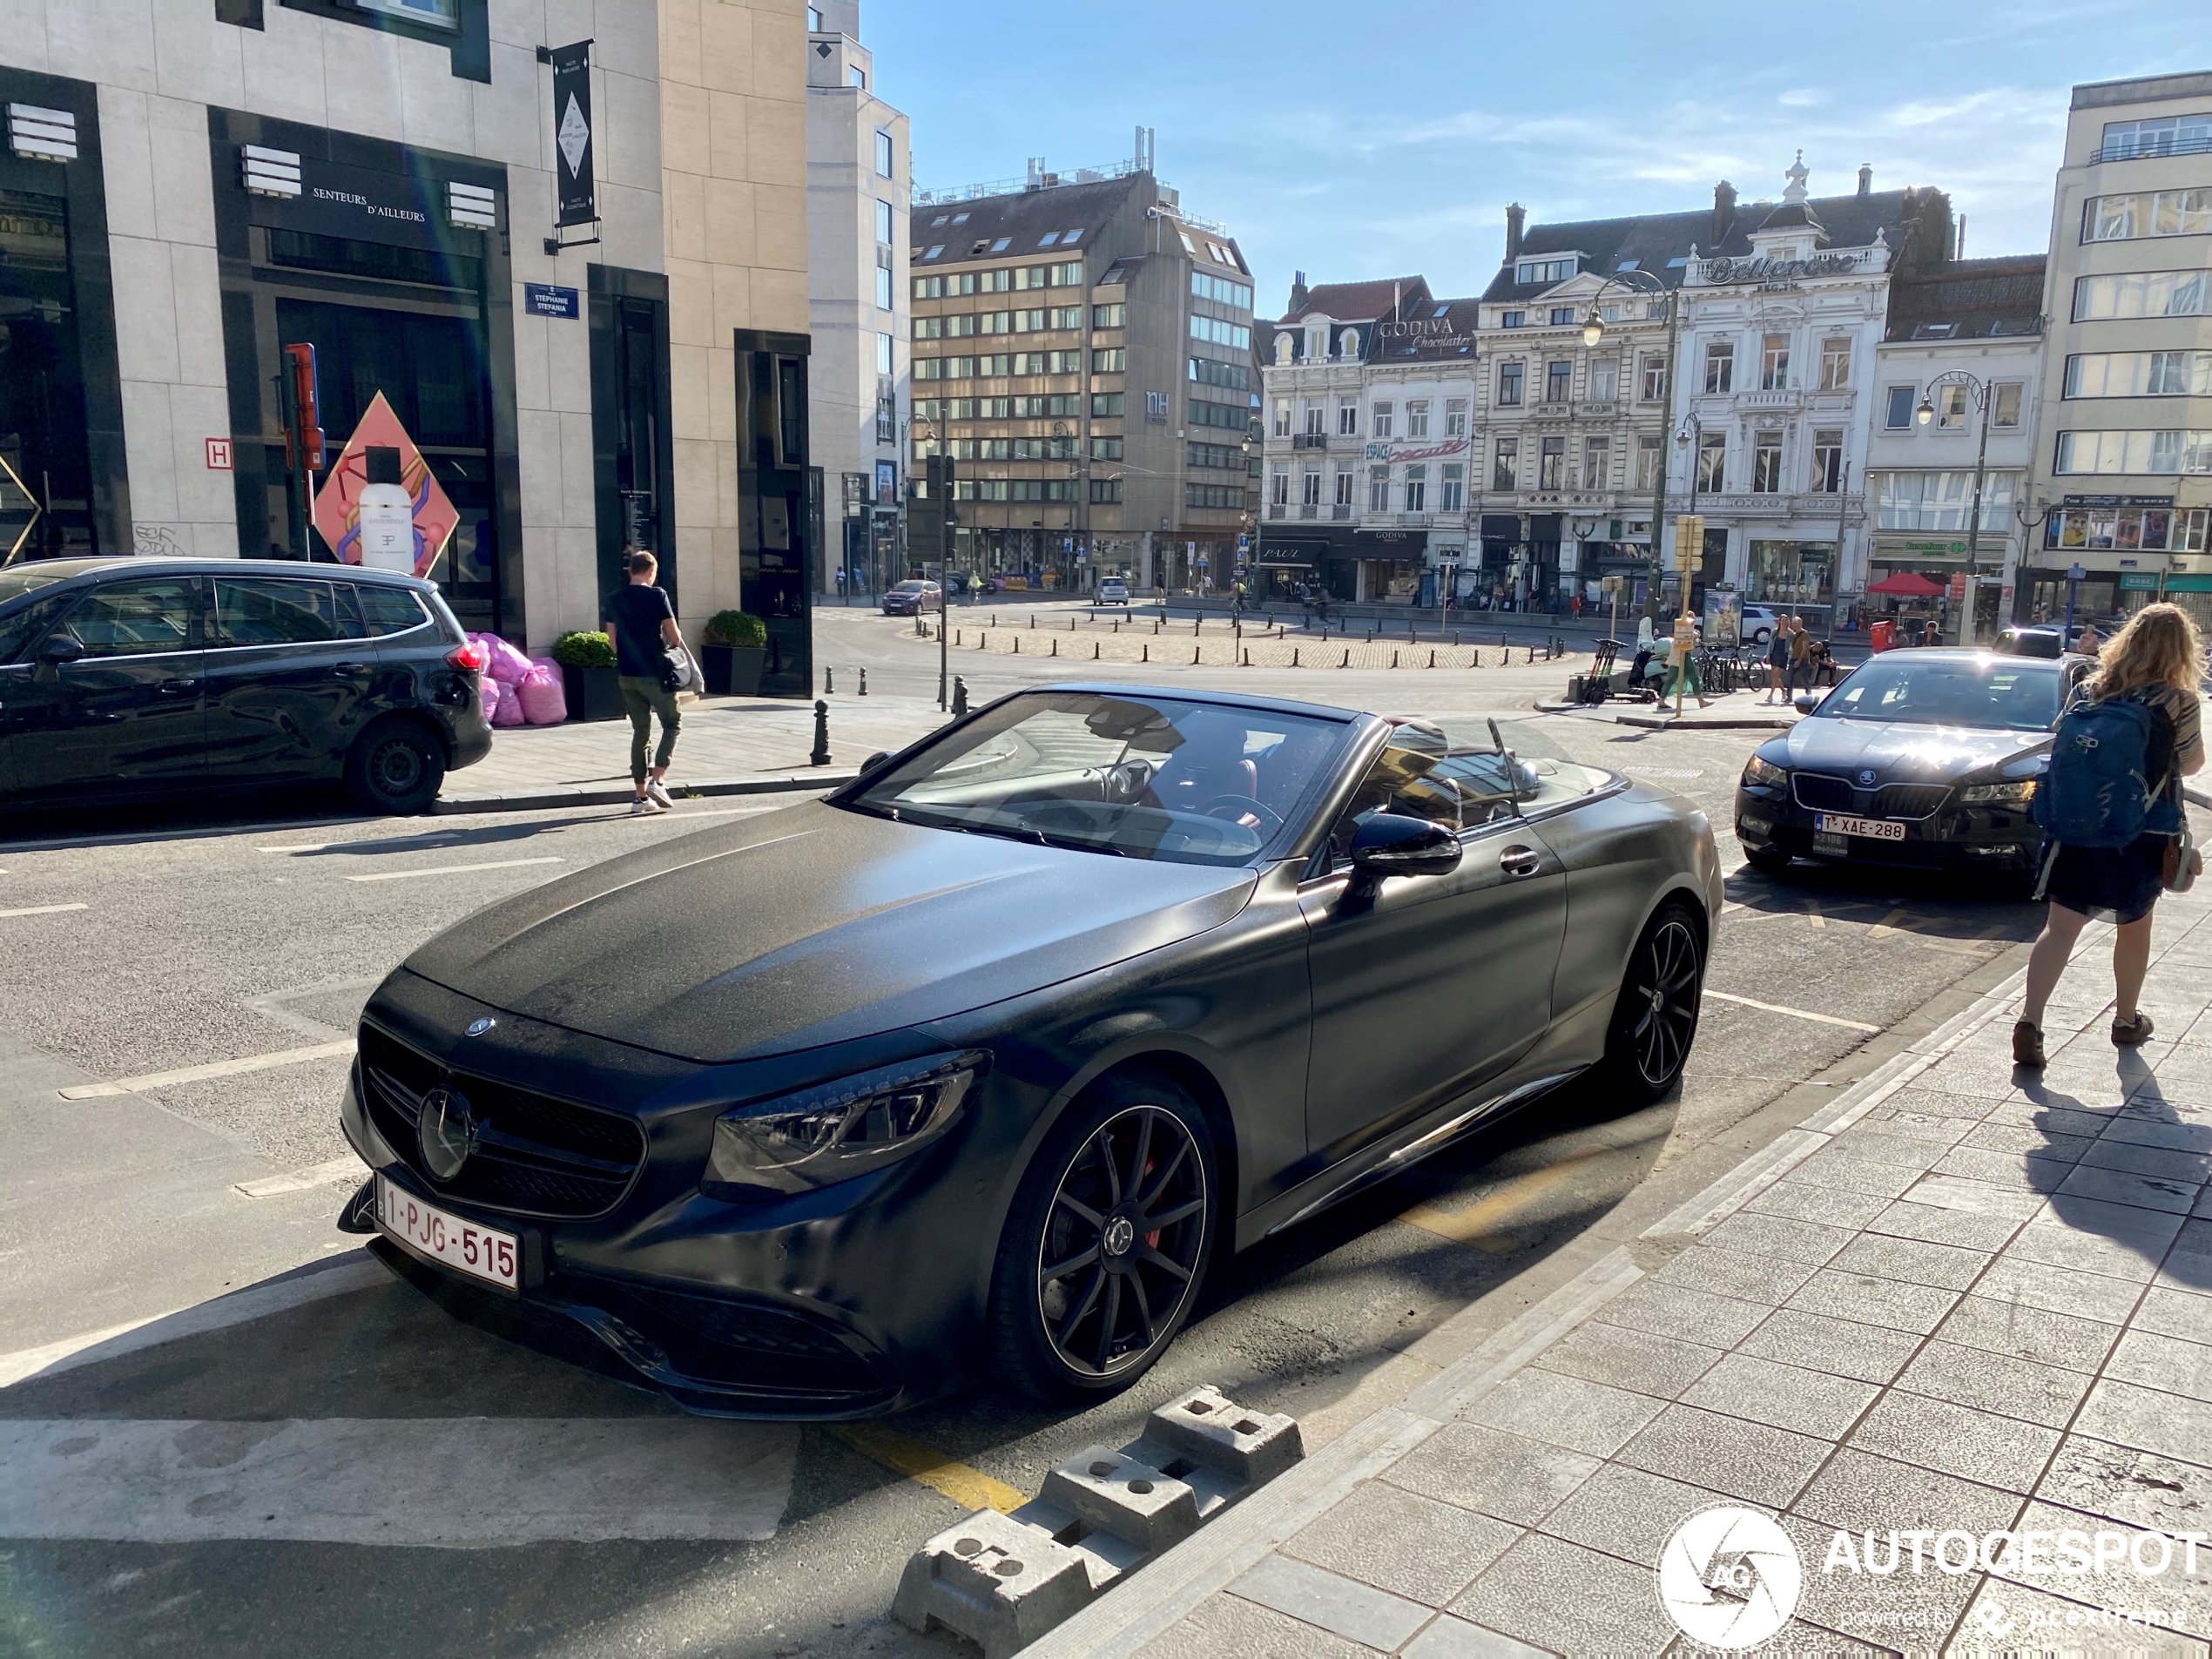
975, 1064
1922, 758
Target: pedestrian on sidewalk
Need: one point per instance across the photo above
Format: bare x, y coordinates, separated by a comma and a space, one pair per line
1800, 654
2156, 661
1777, 658
642, 624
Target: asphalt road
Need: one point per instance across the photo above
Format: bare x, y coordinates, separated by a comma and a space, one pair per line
373, 1472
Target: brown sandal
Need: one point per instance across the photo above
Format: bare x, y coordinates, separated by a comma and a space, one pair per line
2027, 1044
2127, 1034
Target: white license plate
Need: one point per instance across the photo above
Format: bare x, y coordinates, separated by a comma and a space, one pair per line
495, 1258
1875, 829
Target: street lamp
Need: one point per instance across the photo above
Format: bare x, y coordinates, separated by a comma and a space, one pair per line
1980, 391
2031, 520
1593, 331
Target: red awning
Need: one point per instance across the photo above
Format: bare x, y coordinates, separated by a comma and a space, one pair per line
1908, 585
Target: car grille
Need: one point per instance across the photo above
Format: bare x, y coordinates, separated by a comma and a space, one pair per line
729, 1342
535, 1155
1816, 793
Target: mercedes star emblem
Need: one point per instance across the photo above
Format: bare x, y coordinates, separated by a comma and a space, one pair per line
446, 1133
1120, 1235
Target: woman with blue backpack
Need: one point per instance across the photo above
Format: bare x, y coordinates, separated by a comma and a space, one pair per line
2110, 806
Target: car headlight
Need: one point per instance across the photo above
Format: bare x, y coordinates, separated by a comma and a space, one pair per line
1765, 772
836, 1130
1998, 794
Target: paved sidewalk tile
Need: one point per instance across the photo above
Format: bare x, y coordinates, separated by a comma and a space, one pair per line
2006, 1619
2092, 1296
1626, 1358
1883, 1301
2176, 1313
1398, 1541
1454, 1638
1911, 1261
1228, 1624
1627, 1513
1493, 1472
1898, 1611
2119, 1585
1839, 1347
1956, 1440
2139, 1489
1735, 1272
1744, 1460
2008, 1326
1936, 1223
2151, 1419
2052, 1245
1668, 1310
1571, 1412
1805, 1242
1573, 1599
2001, 1383
1354, 1610
1858, 1490
1783, 1396
1805, 1202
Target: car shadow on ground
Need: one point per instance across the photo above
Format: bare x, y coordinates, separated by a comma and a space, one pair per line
1992, 910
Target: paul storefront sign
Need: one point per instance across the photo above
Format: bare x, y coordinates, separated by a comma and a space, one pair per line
379, 504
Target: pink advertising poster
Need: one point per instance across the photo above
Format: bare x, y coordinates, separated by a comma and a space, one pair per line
341, 510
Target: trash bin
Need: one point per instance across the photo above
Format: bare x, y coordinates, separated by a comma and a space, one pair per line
1882, 634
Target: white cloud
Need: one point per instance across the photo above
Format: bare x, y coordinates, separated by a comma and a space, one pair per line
1804, 98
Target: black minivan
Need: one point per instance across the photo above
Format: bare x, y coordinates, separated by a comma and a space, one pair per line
135, 678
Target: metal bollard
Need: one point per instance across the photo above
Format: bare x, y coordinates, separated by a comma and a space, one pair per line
821, 755
829, 682
959, 697
864, 682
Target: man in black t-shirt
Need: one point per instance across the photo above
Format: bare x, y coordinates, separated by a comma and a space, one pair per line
640, 623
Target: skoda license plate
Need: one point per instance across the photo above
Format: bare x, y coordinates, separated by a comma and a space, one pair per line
1874, 829
495, 1258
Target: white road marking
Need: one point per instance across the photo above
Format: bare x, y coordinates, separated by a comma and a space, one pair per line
340, 1275
454, 1483
213, 1068
1796, 1014
45, 909
449, 869
325, 847
349, 1168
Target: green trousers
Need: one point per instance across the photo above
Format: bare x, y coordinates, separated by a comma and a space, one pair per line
644, 699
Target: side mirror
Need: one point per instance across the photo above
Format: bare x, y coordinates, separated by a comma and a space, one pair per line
873, 761
1388, 844
1804, 702
59, 650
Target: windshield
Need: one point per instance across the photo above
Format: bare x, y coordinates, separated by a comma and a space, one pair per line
25, 578
1134, 776
2012, 693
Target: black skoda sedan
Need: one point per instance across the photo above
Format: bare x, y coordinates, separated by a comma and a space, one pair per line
1919, 757
975, 1064
130, 679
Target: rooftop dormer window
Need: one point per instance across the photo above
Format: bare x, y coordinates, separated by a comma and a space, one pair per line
1543, 270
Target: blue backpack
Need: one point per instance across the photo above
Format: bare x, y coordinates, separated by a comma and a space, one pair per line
2097, 791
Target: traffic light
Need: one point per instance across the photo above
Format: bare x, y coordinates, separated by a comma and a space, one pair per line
930, 516
303, 443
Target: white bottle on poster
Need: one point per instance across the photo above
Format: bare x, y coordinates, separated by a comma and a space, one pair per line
386, 516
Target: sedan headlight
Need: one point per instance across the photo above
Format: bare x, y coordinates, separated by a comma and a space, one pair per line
1998, 794
1765, 772
837, 1130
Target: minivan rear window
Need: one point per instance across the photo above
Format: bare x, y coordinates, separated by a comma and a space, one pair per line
389, 610
277, 610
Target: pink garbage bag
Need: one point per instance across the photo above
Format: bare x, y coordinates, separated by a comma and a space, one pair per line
489, 690
540, 696
508, 664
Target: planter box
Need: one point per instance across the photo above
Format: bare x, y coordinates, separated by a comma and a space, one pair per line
592, 694
732, 670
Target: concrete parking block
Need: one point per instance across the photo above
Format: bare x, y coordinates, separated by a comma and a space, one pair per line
1856, 1490
2116, 1186
1887, 1303
1735, 1272
1572, 1411
1630, 1359
1911, 1261
2001, 1383
1841, 1347
1956, 1440
1492, 1472
1749, 1460
2008, 1326
1224, 1625
2149, 1420
1570, 1599
2175, 1313
1807, 1243
1627, 1513
1666, 1309
1939, 1225
1805, 1202
1454, 1638
2136, 1487
1783, 1396
1398, 1541
2091, 1296
1356, 1611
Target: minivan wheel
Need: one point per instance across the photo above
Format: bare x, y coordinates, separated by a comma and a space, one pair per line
1655, 1022
395, 768
1107, 1243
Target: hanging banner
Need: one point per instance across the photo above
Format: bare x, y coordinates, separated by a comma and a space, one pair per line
572, 133
379, 504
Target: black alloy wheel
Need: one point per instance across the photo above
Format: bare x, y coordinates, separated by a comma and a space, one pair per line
1107, 1241
396, 767
1656, 1021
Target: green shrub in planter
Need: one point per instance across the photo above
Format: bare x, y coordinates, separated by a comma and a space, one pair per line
588, 676
731, 652
583, 650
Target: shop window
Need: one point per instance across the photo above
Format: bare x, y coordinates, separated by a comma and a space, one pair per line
46, 460
463, 27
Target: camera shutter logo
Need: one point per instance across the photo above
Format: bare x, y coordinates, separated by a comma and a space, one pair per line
446, 1134
1729, 1577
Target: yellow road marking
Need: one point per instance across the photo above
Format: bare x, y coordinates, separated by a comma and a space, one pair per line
1482, 1222
1813, 915
970, 1488
1885, 927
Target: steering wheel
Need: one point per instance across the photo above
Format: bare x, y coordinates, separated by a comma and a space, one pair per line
1124, 785
1243, 807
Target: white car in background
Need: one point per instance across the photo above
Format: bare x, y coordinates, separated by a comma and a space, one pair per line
1113, 591
1758, 624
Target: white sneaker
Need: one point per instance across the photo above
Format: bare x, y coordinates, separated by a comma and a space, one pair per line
644, 806
657, 791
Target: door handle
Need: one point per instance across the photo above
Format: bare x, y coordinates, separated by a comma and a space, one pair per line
178, 688
347, 670
1520, 860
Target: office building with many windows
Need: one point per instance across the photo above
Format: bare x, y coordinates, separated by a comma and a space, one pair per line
1082, 351
573, 313
858, 187
2122, 479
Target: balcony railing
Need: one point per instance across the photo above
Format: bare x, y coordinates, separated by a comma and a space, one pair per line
1277, 509
2135, 152
1309, 509
1398, 521
1341, 511
1311, 441
1778, 398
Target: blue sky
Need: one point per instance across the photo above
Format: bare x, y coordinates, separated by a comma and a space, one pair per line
1353, 143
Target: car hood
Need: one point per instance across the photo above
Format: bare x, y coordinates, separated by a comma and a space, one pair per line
1900, 751
813, 925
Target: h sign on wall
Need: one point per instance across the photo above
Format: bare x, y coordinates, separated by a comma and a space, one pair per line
219, 455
